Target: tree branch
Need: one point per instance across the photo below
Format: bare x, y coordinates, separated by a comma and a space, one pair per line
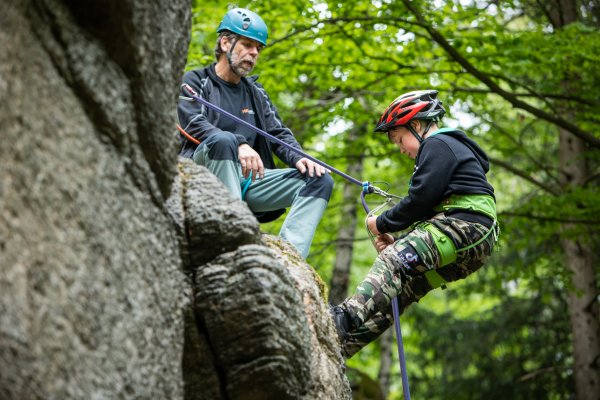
530, 94
549, 219
524, 175
486, 80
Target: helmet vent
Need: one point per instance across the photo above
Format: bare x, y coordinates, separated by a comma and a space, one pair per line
246, 23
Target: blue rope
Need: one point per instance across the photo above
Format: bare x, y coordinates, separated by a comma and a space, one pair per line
402, 358
245, 185
399, 342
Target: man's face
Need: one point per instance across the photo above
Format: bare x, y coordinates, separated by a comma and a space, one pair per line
404, 139
244, 55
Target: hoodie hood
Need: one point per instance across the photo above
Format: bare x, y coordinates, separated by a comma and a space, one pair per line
471, 144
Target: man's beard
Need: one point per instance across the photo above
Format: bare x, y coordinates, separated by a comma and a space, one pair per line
241, 67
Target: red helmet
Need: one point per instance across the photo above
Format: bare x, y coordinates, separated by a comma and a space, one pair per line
422, 104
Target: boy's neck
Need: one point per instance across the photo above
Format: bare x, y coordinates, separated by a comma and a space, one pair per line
434, 128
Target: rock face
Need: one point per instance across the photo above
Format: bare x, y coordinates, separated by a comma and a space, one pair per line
124, 274
260, 328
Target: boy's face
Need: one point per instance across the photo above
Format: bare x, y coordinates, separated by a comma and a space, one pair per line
405, 140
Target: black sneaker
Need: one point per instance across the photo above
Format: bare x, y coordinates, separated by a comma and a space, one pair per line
341, 319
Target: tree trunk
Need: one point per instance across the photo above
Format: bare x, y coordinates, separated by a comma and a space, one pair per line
345, 243
385, 366
582, 297
579, 256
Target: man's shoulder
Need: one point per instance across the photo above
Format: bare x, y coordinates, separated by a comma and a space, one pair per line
198, 73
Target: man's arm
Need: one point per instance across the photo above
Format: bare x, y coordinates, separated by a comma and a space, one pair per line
194, 116
275, 127
436, 165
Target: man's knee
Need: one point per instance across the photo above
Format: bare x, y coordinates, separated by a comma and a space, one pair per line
222, 146
320, 187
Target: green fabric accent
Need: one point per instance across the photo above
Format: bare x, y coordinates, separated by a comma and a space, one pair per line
443, 243
481, 203
441, 130
435, 280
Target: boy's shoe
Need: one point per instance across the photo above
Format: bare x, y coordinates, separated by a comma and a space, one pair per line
341, 319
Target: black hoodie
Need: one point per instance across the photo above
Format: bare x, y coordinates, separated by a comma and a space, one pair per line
447, 163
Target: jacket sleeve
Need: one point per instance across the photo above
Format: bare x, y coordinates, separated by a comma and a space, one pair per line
275, 127
193, 116
436, 165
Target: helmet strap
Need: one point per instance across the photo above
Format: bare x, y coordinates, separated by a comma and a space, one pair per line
427, 127
414, 132
229, 52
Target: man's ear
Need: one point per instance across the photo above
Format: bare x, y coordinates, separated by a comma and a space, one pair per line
225, 44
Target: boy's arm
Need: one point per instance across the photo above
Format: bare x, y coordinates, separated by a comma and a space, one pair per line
436, 165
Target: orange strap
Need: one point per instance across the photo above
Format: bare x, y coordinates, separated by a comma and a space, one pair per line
187, 135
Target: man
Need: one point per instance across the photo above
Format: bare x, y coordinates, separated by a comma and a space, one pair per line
240, 158
449, 212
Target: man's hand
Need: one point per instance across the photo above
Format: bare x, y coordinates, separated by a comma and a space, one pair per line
304, 164
382, 241
250, 162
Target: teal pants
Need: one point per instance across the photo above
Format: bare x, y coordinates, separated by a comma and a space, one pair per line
306, 196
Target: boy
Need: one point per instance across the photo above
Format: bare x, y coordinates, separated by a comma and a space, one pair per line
450, 210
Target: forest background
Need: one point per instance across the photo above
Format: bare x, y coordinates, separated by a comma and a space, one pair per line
518, 76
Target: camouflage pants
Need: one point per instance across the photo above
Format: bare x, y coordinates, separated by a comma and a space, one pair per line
399, 271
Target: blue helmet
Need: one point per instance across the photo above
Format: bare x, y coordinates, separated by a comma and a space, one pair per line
245, 23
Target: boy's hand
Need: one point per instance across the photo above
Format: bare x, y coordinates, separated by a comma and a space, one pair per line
372, 225
382, 241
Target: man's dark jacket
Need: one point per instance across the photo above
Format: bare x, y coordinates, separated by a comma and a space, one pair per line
201, 122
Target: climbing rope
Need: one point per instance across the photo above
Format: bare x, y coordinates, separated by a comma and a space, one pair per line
367, 188
390, 200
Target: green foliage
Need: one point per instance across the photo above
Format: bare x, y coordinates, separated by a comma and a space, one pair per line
518, 349
331, 67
